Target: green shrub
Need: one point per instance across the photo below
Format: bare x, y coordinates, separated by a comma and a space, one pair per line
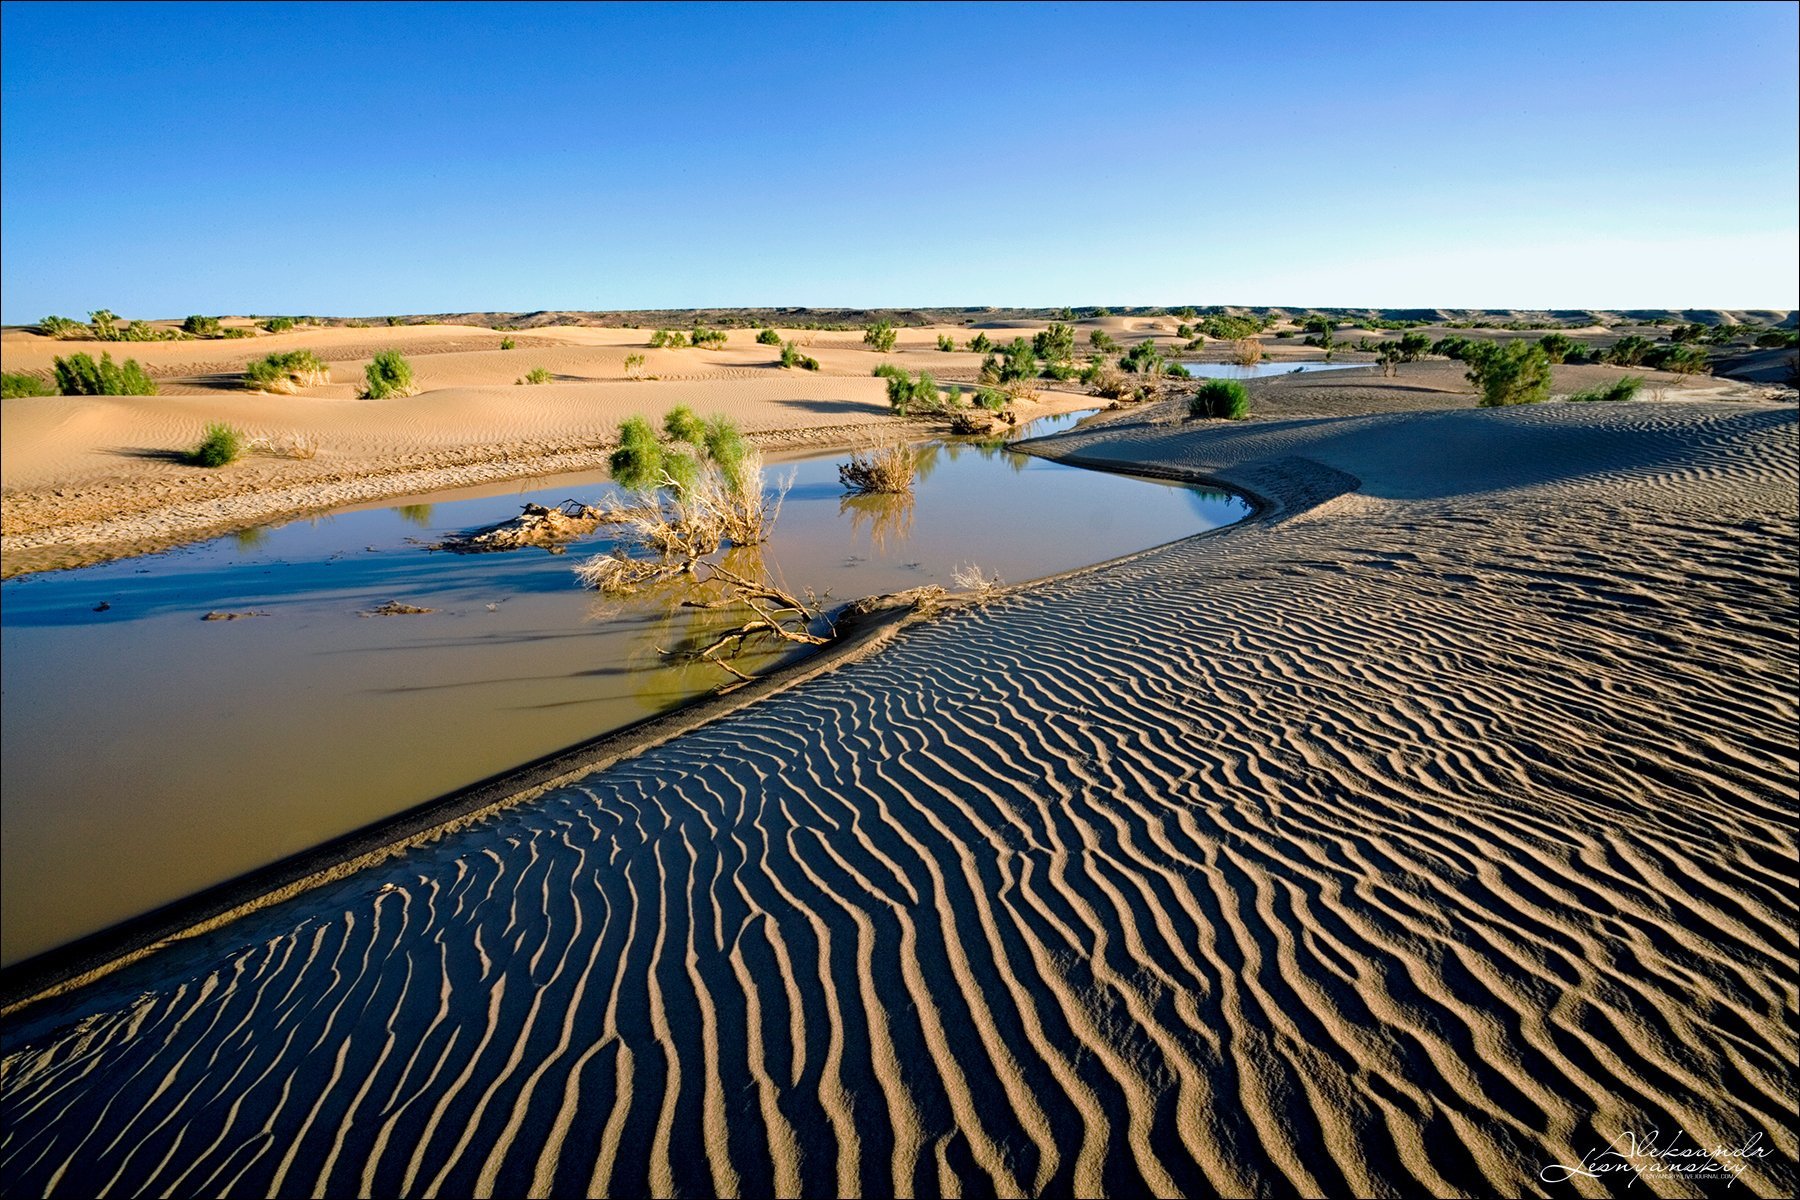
236, 331
633, 364
668, 339
143, 331
1619, 389
992, 399
535, 376
1774, 339
1019, 362
907, 394
278, 324
1059, 371
286, 372
880, 336
80, 375
682, 425
1413, 346
981, 343
1175, 370
1229, 328
389, 374
709, 338
1558, 346
1220, 399
1629, 351
1143, 358
1102, 341
1509, 373
637, 464
21, 383
220, 445
104, 324
644, 462
790, 354
201, 326
888, 370
946, 343
59, 327
508, 344
810, 364
768, 337
1681, 359
1055, 344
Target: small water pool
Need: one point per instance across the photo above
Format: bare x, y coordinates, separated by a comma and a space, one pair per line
148, 753
1203, 370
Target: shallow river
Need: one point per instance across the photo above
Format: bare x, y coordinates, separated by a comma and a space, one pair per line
148, 753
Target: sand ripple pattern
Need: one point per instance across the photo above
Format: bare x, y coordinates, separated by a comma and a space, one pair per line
1394, 849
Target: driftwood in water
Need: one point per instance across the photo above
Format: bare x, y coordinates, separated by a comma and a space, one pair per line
394, 608
547, 528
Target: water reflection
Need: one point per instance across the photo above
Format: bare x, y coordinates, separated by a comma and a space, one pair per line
415, 514
888, 520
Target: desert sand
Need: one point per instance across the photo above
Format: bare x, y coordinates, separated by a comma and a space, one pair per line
1428, 830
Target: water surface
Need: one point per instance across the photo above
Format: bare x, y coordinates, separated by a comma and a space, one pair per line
148, 753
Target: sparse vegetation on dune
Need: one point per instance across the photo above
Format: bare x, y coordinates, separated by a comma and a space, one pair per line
946, 343
199, 326
1625, 388
388, 375
21, 383
286, 372
507, 343
908, 395
634, 366
60, 327
768, 337
80, 375
219, 445
534, 376
278, 324
1220, 399
668, 339
880, 336
707, 339
1509, 373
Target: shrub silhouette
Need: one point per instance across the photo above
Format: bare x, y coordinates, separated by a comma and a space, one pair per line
981, 343
1220, 399
389, 374
220, 445
80, 375
1143, 358
946, 343
1629, 351
20, 383
1684, 359
201, 326
59, 327
1509, 373
104, 324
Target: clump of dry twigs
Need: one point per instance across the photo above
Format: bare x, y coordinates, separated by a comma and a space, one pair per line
887, 470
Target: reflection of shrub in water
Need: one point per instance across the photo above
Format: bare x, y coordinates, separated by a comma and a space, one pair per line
888, 519
415, 514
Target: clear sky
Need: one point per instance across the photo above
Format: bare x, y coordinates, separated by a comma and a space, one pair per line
343, 159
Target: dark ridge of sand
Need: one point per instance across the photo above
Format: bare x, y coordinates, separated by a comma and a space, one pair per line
1434, 830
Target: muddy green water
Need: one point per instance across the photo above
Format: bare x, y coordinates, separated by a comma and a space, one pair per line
146, 753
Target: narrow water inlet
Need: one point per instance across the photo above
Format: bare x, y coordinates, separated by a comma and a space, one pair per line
148, 753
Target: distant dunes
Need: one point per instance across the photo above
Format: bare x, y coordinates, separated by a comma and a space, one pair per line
1429, 831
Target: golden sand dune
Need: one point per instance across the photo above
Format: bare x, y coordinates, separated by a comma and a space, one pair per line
1430, 829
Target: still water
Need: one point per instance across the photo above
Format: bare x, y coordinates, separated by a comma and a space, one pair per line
148, 753
1202, 370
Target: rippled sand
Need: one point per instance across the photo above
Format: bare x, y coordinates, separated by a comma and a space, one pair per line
1431, 829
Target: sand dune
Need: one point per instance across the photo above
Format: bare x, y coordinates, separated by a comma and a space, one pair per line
1430, 829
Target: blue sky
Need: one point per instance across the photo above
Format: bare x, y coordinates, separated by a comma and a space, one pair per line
366, 159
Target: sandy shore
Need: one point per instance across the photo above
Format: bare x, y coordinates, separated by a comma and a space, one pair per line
1433, 828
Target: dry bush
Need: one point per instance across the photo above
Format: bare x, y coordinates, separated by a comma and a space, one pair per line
1246, 352
288, 445
970, 579
887, 470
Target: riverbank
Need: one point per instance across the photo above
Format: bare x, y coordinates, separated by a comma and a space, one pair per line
1426, 832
